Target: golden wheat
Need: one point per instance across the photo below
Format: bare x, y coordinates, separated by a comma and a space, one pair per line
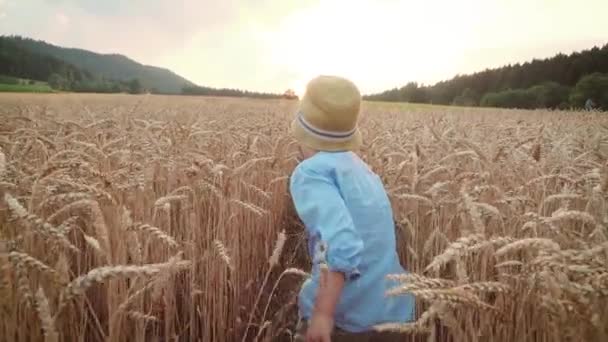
501, 219
44, 313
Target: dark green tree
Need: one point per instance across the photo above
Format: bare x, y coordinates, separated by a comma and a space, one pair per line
469, 97
594, 87
8, 80
57, 82
135, 86
512, 98
550, 95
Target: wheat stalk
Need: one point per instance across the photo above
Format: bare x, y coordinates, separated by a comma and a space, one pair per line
536, 243
479, 227
37, 223
272, 261
452, 296
44, 313
223, 253
278, 249
454, 250
23, 284
30, 262
420, 326
79, 285
156, 232
2, 164
571, 215
251, 207
489, 286
416, 198
168, 199
142, 317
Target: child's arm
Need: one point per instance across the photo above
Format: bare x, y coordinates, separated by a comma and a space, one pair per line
322, 322
331, 284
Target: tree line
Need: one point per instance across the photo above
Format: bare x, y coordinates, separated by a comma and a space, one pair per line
208, 91
562, 81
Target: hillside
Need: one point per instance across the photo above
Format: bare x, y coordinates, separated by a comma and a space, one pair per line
17, 61
557, 75
109, 66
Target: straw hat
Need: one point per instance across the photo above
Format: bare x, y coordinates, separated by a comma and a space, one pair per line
327, 115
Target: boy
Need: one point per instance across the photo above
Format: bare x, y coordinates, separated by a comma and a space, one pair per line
349, 221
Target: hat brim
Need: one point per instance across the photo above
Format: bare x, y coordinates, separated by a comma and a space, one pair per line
308, 140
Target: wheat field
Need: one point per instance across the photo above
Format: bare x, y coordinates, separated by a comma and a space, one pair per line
151, 218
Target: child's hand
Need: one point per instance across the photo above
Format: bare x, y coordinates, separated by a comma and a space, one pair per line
320, 328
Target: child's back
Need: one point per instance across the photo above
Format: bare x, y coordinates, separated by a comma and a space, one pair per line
348, 219
354, 224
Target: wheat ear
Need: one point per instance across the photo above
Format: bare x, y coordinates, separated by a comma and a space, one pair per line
32, 263
79, 285
44, 228
157, 233
47, 320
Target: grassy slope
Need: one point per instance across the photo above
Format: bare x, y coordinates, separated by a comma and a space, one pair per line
26, 88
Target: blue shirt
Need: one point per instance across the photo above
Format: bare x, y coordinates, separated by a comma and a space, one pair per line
350, 228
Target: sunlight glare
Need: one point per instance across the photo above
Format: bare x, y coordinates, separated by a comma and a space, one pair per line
345, 37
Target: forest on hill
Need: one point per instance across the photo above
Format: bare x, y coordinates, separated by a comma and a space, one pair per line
36, 60
77, 70
109, 66
562, 81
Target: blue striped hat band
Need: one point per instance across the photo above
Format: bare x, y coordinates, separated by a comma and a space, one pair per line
324, 134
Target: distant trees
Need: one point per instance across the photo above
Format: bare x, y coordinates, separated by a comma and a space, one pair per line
550, 95
413, 93
135, 86
109, 66
290, 94
109, 86
58, 82
553, 95
548, 83
469, 97
547, 95
21, 63
207, 91
594, 87
513, 98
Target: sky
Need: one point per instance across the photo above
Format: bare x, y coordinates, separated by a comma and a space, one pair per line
273, 45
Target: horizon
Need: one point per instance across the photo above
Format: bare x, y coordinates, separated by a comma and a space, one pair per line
281, 46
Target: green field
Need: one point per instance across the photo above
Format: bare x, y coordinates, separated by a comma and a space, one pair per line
26, 88
22, 85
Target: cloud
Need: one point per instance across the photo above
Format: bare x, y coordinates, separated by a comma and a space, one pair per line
141, 29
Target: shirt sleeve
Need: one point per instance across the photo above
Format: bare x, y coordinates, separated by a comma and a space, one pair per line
322, 210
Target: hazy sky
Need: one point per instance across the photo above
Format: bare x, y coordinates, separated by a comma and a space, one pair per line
272, 45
